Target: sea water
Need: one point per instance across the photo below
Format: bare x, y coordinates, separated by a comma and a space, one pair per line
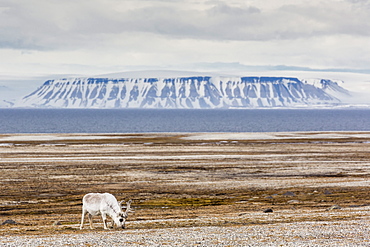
175, 120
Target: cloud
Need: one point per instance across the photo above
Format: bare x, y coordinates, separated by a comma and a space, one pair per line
44, 25
100, 36
68, 24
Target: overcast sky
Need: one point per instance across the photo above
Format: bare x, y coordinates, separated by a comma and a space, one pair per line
39, 37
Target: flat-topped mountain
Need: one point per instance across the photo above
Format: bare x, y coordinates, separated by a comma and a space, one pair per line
184, 92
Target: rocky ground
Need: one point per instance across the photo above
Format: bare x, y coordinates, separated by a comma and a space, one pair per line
211, 189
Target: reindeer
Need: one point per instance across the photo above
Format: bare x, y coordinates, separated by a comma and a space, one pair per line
104, 204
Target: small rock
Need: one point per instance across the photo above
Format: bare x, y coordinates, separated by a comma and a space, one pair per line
9, 222
293, 201
269, 210
289, 193
334, 207
57, 223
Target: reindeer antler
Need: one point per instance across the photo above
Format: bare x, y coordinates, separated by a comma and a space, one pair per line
128, 208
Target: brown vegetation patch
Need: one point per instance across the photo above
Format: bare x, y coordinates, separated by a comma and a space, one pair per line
178, 182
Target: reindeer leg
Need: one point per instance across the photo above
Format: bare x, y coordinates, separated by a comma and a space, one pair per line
104, 221
91, 222
82, 219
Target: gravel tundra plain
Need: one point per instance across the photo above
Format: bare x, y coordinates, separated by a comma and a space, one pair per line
188, 189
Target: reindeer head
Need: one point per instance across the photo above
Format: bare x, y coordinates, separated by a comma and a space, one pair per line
120, 220
122, 216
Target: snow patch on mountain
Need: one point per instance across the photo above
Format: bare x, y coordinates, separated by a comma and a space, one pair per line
185, 91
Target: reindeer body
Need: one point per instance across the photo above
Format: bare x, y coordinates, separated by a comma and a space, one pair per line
106, 205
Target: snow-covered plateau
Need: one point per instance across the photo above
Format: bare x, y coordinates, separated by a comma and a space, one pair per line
186, 92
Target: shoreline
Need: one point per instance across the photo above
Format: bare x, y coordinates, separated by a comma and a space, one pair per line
186, 135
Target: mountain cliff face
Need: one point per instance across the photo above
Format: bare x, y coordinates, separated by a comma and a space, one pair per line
184, 92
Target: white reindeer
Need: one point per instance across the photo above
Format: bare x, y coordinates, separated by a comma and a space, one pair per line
104, 204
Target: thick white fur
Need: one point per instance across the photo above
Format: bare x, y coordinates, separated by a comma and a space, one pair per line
104, 204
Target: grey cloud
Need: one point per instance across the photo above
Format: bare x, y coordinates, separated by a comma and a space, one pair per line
68, 24
362, 2
48, 25
223, 8
328, 19
225, 22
